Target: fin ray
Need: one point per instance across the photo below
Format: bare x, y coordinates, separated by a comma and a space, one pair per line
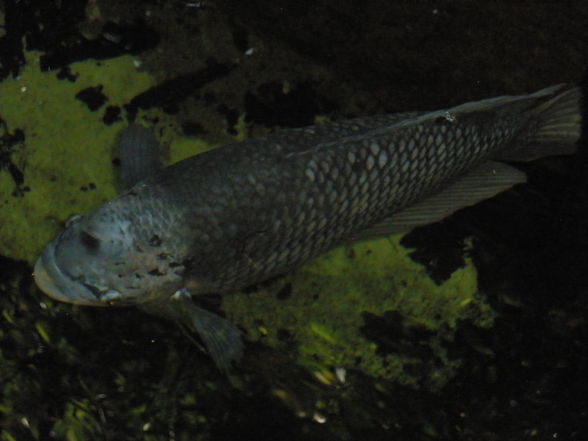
484, 182
221, 338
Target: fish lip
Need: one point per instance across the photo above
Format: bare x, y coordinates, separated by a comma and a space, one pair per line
57, 285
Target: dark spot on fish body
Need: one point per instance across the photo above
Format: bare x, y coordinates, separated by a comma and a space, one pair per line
90, 242
176, 267
285, 292
357, 166
350, 253
156, 272
155, 241
179, 272
92, 97
188, 263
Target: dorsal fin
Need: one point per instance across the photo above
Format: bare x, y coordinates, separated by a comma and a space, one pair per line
139, 154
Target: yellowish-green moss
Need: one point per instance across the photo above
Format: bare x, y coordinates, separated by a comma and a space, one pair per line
68, 150
67, 147
324, 313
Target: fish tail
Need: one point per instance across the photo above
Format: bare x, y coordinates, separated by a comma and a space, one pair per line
555, 125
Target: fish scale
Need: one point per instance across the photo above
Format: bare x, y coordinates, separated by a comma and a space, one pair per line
329, 220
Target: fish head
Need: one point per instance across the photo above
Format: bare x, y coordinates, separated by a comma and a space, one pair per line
106, 259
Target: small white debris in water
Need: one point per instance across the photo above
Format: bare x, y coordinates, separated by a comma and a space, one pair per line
319, 418
450, 116
249, 51
137, 63
23, 88
341, 374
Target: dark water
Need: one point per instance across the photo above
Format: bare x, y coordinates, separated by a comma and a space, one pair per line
118, 375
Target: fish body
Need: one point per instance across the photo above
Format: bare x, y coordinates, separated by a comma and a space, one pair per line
239, 214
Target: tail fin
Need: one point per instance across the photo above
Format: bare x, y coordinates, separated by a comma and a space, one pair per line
555, 125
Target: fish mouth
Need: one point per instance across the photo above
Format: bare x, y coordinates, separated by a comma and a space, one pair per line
59, 286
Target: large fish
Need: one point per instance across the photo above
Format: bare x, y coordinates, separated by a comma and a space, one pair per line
239, 214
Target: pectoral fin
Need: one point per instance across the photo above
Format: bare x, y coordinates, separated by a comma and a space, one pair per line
221, 338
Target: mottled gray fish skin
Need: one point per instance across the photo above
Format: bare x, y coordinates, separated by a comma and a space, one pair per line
242, 213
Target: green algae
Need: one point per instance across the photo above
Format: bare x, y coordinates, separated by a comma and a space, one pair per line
67, 154
66, 157
323, 314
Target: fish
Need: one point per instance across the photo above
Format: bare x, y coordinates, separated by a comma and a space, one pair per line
245, 212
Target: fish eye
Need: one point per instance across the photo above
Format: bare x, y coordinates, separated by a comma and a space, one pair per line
91, 243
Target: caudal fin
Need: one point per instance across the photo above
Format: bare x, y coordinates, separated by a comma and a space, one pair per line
555, 125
